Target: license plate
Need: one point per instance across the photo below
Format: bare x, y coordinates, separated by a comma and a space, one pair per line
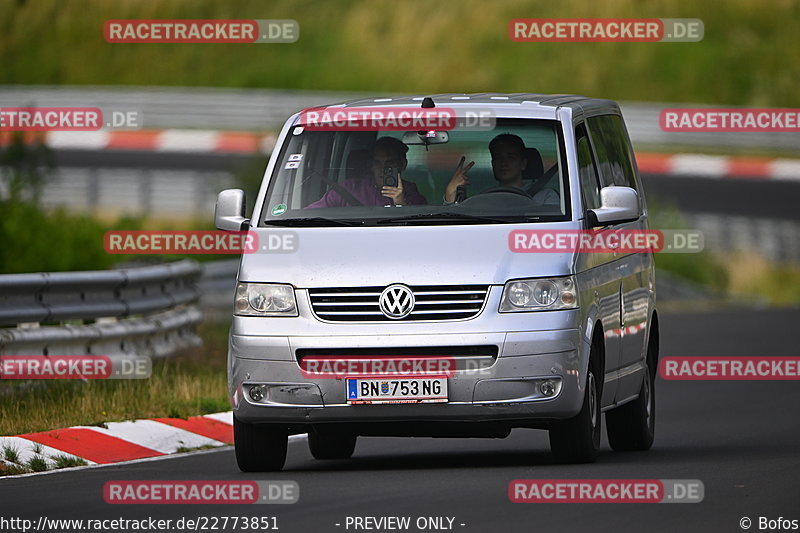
397, 390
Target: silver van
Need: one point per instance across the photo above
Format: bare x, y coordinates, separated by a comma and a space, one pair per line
403, 285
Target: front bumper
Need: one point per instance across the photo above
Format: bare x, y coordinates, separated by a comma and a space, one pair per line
506, 391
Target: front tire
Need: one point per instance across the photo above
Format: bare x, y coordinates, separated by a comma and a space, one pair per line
259, 447
577, 440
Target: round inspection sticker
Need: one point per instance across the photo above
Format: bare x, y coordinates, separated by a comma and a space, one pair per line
278, 210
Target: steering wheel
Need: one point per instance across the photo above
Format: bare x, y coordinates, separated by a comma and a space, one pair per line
511, 190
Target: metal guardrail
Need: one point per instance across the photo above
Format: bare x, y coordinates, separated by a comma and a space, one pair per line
134, 311
217, 286
267, 109
138, 311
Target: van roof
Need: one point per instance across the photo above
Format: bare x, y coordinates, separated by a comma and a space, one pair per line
589, 106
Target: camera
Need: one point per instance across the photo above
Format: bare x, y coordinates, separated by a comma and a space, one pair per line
390, 176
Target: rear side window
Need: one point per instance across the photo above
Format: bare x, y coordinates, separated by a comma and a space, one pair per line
613, 152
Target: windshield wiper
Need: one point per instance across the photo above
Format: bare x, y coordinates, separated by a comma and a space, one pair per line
450, 217
311, 222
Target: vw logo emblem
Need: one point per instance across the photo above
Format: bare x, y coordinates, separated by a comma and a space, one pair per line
396, 301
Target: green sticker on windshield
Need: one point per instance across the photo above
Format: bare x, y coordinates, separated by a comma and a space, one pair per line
278, 210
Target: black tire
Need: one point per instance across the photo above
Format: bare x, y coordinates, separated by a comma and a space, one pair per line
259, 447
326, 444
632, 427
577, 440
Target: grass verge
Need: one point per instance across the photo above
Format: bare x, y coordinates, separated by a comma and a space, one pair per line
739, 277
11, 464
190, 383
751, 276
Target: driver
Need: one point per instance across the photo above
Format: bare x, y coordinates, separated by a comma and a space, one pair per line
387, 151
508, 163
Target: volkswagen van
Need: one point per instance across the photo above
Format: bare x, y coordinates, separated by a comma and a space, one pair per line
411, 291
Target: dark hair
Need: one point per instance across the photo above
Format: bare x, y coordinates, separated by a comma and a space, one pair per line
391, 144
508, 138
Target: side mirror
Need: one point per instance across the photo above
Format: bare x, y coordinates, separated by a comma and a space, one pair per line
229, 211
617, 205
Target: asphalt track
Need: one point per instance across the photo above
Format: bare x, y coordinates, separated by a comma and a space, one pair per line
741, 439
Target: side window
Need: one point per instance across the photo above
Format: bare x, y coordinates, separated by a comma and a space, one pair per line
613, 152
588, 173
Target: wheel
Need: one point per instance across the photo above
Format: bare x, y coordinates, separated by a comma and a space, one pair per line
326, 444
577, 440
259, 447
632, 427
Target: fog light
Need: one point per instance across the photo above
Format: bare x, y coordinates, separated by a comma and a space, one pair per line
256, 393
547, 387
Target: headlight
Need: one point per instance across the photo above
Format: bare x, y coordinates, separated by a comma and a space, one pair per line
262, 299
543, 294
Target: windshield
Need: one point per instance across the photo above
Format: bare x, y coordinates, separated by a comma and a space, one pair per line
515, 172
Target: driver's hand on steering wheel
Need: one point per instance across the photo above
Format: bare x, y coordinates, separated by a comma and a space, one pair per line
459, 178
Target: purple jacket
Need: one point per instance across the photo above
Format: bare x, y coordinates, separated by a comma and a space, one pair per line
367, 193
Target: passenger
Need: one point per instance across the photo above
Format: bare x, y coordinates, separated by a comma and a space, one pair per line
387, 152
508, 164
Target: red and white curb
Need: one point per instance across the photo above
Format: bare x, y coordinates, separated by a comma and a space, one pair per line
191, 141
713, 166
209, 141
123, 441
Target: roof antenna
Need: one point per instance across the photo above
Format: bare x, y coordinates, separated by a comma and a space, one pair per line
427, 103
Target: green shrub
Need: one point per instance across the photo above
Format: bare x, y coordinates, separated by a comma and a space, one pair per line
703, 268
38, 241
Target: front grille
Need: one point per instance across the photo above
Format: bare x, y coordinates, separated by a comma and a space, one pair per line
458, 352
436, 302
464, 357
